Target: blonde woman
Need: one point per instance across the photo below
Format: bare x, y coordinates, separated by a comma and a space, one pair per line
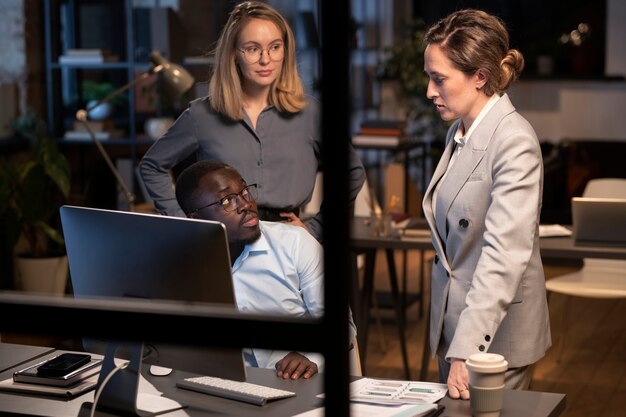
256, 118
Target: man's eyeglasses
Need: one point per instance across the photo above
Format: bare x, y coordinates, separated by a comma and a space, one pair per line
252, 54
231, 201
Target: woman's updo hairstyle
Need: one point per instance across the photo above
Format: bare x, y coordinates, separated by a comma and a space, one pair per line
473, 39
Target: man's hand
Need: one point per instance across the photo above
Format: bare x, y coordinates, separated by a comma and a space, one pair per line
295, 365
458, 381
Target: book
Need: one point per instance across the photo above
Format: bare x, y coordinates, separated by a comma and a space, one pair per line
31, 376
378, 140
95, 125
383, 124
415, 235
380, 132
84, 135
199, 60
87, 59
80, 387
87, 52
415, 228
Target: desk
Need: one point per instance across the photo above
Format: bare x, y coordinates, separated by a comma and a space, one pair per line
364, 241
198, 404
566, 247
13, 355
516, 403
404, 148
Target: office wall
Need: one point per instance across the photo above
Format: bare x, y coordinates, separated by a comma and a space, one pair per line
616, 33
582, 109
21, 57
12, 44
12, 61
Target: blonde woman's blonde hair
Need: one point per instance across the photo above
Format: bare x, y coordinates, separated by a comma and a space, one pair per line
225, 90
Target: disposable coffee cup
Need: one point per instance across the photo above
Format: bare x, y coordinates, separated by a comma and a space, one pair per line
486, 383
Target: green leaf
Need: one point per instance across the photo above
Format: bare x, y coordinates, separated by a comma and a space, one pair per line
33, 190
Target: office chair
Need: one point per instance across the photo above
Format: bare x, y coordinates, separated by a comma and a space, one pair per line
598, 278
365, 205
355, 360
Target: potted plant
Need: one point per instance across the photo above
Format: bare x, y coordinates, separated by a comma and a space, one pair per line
404, 66
32, 188
164, 105
93, 92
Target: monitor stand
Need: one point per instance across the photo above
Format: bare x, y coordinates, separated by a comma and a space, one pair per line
117, 391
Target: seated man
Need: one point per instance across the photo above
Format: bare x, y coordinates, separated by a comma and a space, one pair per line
277, 269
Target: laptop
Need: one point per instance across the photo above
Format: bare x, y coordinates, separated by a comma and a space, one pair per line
147, 256
599, 220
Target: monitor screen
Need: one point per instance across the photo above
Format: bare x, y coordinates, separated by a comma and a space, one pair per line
599, 220
124, 254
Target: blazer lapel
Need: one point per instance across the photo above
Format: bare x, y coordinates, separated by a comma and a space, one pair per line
466, 161
437, 174
464, 164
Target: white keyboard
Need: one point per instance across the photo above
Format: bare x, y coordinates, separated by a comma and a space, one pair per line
236, 390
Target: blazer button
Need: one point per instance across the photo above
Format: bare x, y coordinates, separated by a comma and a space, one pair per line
436, 259
463, 223
487, 338
481, 348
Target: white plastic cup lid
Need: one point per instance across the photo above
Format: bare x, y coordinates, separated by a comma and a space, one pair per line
486, 363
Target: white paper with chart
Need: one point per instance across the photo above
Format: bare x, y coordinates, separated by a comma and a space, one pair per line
394, 391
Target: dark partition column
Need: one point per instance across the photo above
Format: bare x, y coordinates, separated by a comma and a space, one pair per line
335, 98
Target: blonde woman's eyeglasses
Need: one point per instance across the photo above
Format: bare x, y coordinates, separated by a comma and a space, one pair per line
252, 54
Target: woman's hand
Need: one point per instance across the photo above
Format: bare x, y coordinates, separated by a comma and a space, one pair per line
458, 381
293, 220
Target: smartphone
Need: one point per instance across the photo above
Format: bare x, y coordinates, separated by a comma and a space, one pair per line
63, 364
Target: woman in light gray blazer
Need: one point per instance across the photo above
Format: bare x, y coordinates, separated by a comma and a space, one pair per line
483, 204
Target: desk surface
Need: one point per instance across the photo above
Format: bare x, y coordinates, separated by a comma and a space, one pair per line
197, 404
12, 355
516, 404
362, 236
566, 247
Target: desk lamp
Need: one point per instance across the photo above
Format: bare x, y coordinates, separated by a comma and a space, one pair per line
177, 81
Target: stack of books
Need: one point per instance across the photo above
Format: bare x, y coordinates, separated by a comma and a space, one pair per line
415, 229
31, 375
87, 56
103, 129
380, 133
65, 384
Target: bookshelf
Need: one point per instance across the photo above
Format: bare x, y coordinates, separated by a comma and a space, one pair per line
373, 99
107, 43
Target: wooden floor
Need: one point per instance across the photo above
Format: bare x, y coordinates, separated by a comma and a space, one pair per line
591, 369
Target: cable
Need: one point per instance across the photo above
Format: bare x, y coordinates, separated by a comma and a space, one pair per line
101, 387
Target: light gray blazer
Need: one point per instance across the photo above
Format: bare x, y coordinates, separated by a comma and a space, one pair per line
488, 286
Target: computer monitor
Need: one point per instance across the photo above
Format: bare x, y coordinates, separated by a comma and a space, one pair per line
147, 256
600, 221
